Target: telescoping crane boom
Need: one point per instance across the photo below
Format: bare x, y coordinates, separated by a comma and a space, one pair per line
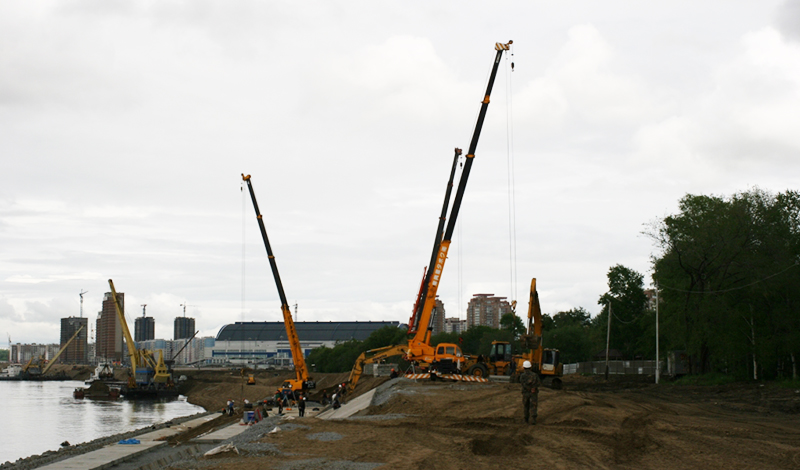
444, 358
302, 381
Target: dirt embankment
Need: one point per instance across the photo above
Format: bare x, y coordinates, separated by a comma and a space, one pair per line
211, 388
590, 424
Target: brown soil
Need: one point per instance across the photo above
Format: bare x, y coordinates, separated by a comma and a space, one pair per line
212, 388
628, 424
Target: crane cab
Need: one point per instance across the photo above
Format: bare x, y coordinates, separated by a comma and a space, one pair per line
447, 359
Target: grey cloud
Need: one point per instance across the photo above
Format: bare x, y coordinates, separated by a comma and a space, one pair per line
7, 311
788, 19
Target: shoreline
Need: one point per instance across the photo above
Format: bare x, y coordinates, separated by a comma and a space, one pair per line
53, 456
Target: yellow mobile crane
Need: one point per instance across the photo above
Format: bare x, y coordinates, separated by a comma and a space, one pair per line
445, 358
149, 376
302, 381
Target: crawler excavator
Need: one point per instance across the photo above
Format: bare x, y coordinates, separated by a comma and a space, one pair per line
301, 381
443, 359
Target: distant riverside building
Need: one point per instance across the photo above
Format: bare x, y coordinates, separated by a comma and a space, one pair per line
76, 352
109, 330
196, 352
486, 310
438, 319
144, 329
266, 342
454, 325
23, 353
184, 328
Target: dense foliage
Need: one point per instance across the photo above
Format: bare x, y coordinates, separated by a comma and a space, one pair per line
729, 282
341, 357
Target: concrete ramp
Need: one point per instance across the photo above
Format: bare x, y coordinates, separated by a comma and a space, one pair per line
350, 408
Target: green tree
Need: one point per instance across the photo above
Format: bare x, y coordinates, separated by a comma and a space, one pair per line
512, 323
728, 280
628, 306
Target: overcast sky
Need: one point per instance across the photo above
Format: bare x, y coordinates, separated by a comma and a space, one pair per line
125, 127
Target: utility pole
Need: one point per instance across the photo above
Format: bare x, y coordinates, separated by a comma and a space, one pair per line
295, 311
608, 336
81, 294
658, 361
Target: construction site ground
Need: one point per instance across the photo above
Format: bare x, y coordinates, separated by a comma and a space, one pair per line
627, 422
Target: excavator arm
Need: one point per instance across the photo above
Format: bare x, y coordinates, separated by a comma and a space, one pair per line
370, 357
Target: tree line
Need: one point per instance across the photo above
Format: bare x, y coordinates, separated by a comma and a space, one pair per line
727, 271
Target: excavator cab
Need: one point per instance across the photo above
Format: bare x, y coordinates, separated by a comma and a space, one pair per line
500, 352
550, 362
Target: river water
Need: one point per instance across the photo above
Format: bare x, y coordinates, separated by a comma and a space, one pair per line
39, 416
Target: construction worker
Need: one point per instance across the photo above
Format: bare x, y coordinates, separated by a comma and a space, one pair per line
301, 406
530, 392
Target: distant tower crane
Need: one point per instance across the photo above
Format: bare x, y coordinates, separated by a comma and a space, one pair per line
144, 307
81, 295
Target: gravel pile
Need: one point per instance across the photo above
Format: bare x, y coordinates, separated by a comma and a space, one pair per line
324, 436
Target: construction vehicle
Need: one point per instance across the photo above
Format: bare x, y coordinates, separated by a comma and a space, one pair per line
301, 381
444, 360
149, 376
545, 362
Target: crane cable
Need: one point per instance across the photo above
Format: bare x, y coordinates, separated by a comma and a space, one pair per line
244, 203
512, 216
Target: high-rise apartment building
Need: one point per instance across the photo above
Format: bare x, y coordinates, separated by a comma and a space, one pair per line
76, 352
144, 329
109, 330
486, 310
438, 319
184, 328
455, 325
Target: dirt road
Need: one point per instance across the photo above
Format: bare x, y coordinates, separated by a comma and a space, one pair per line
589, 424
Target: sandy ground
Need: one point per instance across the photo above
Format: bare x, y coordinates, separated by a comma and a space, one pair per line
589, 424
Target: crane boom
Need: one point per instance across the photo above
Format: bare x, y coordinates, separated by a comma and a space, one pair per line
132, 352
63, 348
302, 380
421, 335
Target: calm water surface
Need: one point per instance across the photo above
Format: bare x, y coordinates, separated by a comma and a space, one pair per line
39, 416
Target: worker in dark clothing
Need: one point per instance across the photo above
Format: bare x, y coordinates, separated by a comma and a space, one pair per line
530, 393
393, 375
301, 406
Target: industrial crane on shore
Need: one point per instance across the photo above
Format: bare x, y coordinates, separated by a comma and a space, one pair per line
444, 358
301, 381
